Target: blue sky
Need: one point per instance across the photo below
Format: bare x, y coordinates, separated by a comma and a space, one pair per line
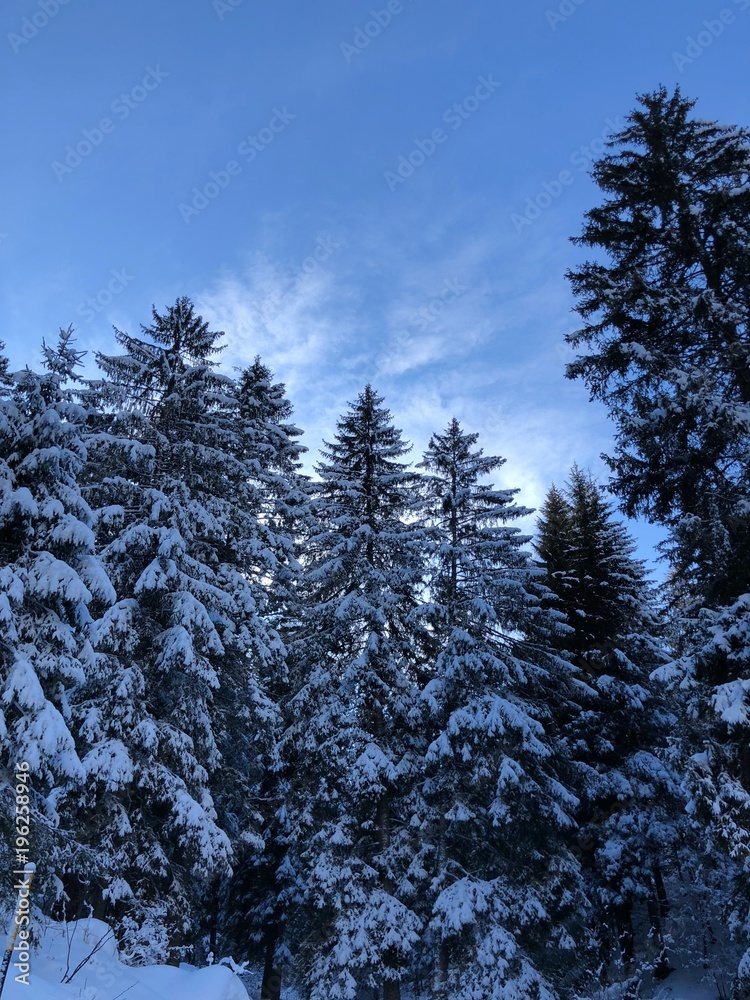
355, 191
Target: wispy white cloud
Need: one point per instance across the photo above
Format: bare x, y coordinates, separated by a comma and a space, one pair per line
494, 357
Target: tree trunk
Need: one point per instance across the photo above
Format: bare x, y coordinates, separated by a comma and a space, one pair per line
661, 893
440, 986
624, 923
270, 988
213, 916
391, 991
658, 910
440, 976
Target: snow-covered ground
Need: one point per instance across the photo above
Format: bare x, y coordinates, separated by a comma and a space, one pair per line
104, 977
685, 984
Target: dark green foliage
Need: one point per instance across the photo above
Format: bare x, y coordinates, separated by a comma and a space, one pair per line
505, 895
351, 746
666, 328
630, 798
666, 325
52, 589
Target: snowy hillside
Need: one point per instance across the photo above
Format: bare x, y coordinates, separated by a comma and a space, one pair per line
65, 947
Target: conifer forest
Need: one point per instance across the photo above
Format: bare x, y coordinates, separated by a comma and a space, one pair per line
335, 715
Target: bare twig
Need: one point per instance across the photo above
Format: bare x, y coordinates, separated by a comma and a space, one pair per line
69, 938
123, 992
99, 944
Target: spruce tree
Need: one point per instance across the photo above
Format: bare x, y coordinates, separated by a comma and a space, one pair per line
505, 891
629, 792
256, 904
553, 542
52, 587
351, 744
666, 306
588, 557
273, 452
179, 726
665, 323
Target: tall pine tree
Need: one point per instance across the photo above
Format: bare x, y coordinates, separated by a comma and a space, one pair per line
179, 726
52, 587
256, 902
629, 793
666, 306
352, 743
505, 892
665, 323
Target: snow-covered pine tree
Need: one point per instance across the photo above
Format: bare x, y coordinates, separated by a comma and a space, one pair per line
179, 728
553, 542
588, 558
272, 449
505, 891
5, 379
352, 743
666, 317
715, 673
254, 913
666, 320
629, 792
51, 587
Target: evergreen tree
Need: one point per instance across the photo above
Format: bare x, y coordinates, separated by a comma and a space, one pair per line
5, 379
666, 320
256, 903
588, 557
629, 794
351, 744
666, 325
273, 453
553, 541
179, 726
505, 892
714, 671
51, 588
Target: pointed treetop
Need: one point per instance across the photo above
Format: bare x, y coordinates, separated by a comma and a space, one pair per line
658, 108
4, 376
260, 397
265, 411
364, 432
453, 449
553, 531
63, 359
184, 332
177, 342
